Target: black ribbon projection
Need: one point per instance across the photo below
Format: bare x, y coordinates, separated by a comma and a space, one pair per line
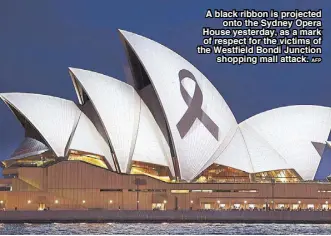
194, 110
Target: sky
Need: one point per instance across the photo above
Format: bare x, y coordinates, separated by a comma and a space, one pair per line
39, 40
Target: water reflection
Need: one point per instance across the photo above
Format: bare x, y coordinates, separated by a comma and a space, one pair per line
164, 228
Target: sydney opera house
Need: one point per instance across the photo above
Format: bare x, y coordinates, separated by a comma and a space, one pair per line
165, 140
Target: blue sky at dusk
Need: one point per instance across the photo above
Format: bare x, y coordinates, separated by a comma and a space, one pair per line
39, 40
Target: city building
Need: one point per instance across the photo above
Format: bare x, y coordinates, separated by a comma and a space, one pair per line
165, 140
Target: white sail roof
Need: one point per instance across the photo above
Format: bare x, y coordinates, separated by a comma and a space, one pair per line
54, 118
86, 138
195, 144
291, 131
193, 116
151, 146
29, 147
130, 127
118, 108
280, 139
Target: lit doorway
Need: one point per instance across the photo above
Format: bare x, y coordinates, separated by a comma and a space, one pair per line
221, 206
236, 206
2, 205
207, 206
310, 207
41, 207
158, 206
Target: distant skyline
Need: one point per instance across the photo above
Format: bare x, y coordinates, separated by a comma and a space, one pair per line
41, 39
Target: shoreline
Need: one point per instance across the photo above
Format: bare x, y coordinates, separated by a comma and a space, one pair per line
125, 216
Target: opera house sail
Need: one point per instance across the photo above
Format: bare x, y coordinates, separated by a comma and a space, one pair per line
166, 133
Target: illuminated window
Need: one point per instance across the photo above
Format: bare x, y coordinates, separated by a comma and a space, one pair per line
39, 160
222, 205
201, 191
236, 206
222, 174
280, 176
180, 191
216, 191
88, 158
246, 191
325, 206
324, 191
281, 206
310, 206
158, 206
152, 170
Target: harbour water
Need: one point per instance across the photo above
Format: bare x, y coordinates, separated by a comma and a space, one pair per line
164, 228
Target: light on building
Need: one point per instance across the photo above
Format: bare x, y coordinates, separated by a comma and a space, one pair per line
165, 201
245, 201
218, 201
110, 201
1, 202
83, 201
137, 201
326, 202
29, 201
299, 202
191, 201
56, 201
